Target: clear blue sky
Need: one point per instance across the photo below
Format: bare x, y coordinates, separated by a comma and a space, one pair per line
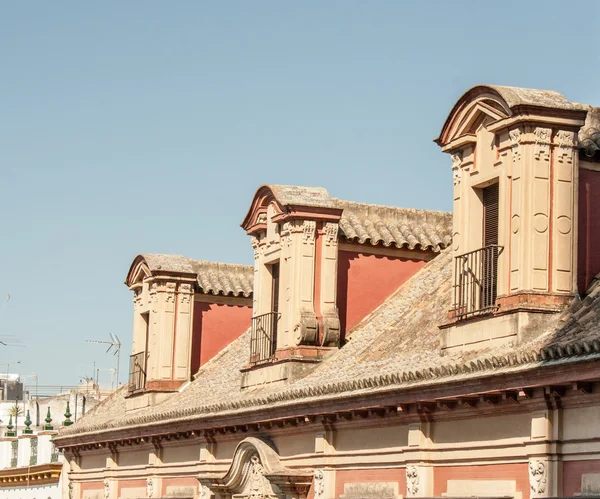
146, 126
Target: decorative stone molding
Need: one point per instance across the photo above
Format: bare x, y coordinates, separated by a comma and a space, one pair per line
537, 477
256, 472
106, 489
331, 234
308, 231
319, 485
70, 487
412, 480
565, 142
542, 143
306, 330
515, 140
370, 491
573, 351
149, 487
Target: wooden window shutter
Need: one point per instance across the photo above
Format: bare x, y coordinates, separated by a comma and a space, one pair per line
490, 215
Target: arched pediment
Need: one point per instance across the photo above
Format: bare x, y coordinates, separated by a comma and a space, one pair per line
289, 201
138, 271
479, 106
256, 472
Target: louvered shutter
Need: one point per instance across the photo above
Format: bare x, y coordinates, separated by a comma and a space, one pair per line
490, 215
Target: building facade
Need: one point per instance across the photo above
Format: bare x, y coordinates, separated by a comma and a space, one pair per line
378, 352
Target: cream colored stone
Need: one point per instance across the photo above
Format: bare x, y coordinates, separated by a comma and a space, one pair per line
483, 488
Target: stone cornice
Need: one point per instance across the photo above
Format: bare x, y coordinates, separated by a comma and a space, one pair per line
41, 474
514, 363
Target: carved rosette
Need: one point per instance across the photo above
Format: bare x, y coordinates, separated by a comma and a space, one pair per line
319, 485
412, 480
537, 477
515, 141
542, 143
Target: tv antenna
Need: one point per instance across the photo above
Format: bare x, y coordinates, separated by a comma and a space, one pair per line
114, 346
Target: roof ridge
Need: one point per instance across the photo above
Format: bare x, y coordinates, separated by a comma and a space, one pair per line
396, 208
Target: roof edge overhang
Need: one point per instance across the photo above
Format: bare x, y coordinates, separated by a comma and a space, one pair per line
543, 372
505, 108
256, 220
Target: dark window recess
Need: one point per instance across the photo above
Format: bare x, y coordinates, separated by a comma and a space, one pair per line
476, 272
263, 340
490, 240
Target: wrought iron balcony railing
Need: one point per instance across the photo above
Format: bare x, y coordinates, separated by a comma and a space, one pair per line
137, 372
476, 282
263, 341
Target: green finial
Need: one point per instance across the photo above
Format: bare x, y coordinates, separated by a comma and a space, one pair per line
48, 420
10, 427
67, 421
27, 430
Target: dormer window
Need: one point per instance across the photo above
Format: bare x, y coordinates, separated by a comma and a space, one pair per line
476, 272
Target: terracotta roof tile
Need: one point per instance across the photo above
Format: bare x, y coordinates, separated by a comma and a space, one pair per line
400, 227
397, 346
212, 277
589, 134
224, 278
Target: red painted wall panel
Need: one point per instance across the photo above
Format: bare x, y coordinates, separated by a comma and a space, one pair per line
572, 471
366, 476
588, 256
365, 281
215, 326
518, 472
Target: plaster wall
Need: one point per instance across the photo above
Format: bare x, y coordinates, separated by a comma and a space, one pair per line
588, 260
216, 325
366, 280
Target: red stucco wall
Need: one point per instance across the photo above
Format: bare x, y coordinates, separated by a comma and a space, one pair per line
215, 326
588, 257
572, 471
365, 281
518, 472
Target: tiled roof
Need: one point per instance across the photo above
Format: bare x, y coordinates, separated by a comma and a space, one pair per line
515, 96
299, 195
212, 277
224, 278
399, 227
589, 134
397, 347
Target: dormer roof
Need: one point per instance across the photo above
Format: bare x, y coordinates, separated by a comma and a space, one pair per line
499, 102
399, 227
211, 277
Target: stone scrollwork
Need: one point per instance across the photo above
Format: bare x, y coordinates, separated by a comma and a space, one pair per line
149, 487
306, 330
106, 489
515, 140
70, 486
565, 141
319, 485
542, 143
308, 231
537, 477
412, 480
331, 233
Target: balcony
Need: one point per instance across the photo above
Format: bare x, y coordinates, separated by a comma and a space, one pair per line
137, 372
475, 282
263, 341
